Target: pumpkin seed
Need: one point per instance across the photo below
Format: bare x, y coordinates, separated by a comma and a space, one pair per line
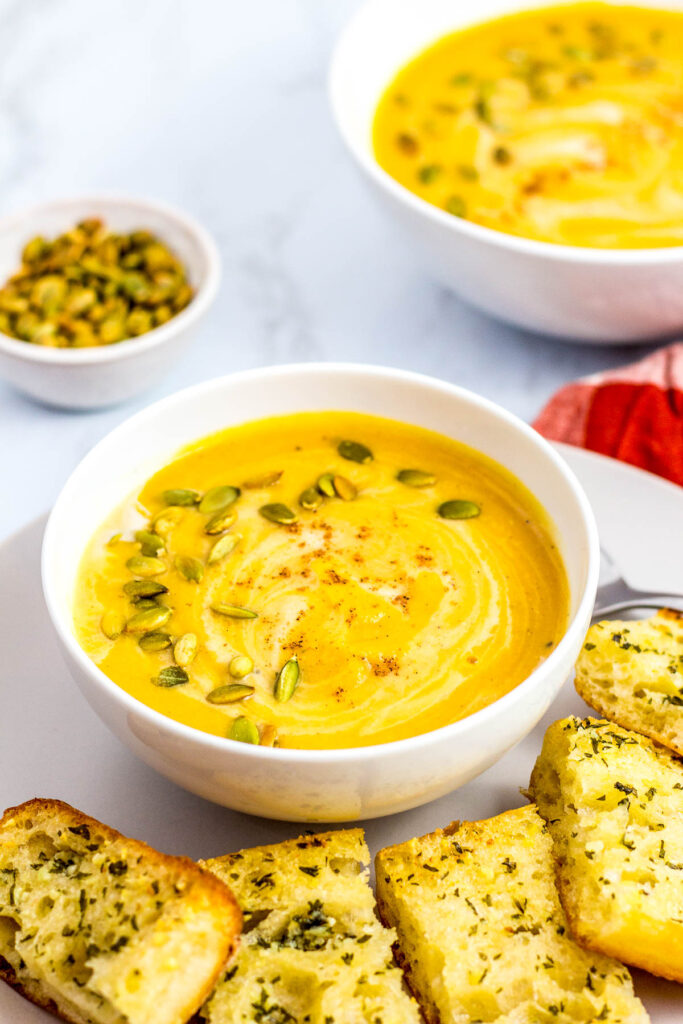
113, 624
34, 249
230, 693
221, 521
223, 546
234, 611
269, 736
166, 521
172, 675
266, 480
139, 321
311, 499
344, 488
145, 565
144, 588
112, 328
185, 649
162, 314
114, 539
48, 294
326, 485
180, 496
354, 451
190, 568
155, 641
458, 509
218, 498
278, 513
456, 204
150, 543
287, 680
143, 603
148, 620
416, 478
244, 731
240, 666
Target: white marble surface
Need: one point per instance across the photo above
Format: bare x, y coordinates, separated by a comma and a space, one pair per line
221, 107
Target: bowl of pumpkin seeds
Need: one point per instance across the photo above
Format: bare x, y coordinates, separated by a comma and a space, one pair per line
98, 296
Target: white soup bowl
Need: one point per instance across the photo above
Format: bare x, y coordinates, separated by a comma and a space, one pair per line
317, 785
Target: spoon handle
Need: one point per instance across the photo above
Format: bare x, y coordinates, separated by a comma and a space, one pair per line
642, 599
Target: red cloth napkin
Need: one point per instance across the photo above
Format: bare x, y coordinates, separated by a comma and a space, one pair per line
634, 413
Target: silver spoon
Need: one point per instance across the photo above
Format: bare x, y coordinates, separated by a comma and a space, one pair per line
615, 595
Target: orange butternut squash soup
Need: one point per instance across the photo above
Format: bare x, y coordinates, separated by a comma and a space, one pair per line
561, 124
323, 580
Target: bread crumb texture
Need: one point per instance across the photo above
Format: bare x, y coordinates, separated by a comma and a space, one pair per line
614, 804
313, 950
101, 929
632, 673
482, 934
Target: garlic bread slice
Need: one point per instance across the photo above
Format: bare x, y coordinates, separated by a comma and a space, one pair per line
482, 934
632, 673
313, 949
614, 805
101, 929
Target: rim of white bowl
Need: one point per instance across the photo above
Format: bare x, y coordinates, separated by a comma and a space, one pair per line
62, 622
365, 158
205, 289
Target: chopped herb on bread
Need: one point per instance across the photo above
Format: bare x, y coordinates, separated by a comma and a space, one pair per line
101, 929
482, 934
632, 673
313, 949
614, 804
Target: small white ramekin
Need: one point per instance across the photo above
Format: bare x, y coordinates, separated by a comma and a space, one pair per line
317, 785
92, 378
600, 296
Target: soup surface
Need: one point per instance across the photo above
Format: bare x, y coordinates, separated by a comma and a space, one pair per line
562, 124
388, 606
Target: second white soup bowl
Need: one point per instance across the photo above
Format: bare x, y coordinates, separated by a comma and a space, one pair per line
604, 296
317, 785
